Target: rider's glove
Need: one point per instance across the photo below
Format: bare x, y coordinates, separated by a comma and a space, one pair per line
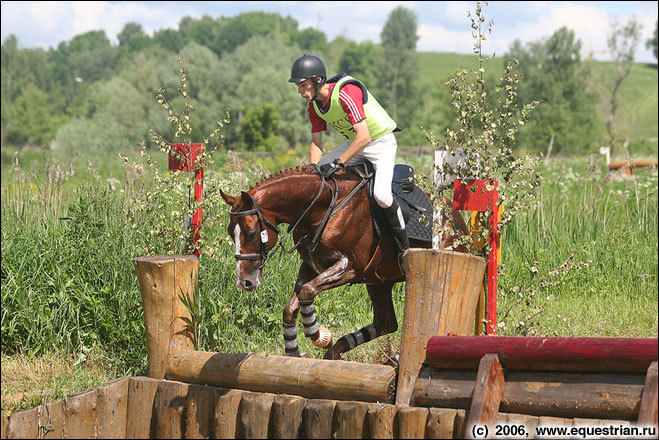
327, 169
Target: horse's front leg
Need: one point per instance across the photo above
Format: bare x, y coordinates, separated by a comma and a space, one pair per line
305, 274
336, 275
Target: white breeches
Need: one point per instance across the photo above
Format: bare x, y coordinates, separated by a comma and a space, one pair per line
382, 154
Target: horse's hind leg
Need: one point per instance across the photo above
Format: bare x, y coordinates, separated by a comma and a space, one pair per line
291, 310
384, 322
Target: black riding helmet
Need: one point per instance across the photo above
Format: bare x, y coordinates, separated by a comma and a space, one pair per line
308, 66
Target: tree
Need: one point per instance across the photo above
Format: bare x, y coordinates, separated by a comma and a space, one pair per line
133, 37
360, 61
113, 118
397, 69
33, 121
622, 42
310, 40
90, 56
259, 127
257, 73
555, 76
169, 39
652, 42
239, 29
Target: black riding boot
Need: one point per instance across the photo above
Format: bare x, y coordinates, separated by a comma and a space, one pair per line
397, 224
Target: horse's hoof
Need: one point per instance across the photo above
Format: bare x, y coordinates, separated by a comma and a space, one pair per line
393, 360
331, 356
324, 338
304, 355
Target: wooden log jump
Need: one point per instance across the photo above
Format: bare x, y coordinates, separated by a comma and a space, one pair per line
611, 355
311, 378
539, 393
636, 398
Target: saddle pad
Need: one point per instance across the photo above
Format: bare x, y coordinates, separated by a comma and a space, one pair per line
415, 206
418, 220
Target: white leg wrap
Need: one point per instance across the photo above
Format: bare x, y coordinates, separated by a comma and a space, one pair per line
308, 312
290, 340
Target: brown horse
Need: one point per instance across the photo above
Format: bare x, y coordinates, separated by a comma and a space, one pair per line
348, 251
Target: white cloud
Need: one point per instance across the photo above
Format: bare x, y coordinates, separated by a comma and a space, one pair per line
441, 39
456, 12
442, 26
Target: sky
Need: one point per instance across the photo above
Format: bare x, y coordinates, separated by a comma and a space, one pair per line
441, 26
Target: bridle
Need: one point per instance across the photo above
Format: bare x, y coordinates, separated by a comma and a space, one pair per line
263, 222
263, 233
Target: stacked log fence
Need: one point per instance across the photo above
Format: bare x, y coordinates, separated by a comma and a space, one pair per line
142, 407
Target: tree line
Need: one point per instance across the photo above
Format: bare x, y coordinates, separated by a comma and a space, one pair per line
87, 95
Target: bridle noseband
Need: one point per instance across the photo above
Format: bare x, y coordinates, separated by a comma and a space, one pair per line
263, 222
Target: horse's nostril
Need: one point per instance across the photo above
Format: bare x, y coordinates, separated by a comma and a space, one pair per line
247, 284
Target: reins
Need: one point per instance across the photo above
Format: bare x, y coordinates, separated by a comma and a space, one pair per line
331, 210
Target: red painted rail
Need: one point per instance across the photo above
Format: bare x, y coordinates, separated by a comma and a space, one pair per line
190, 154
611, 355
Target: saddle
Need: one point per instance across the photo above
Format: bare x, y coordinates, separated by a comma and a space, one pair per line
414, 203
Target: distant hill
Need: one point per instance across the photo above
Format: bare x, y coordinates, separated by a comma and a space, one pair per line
637, 111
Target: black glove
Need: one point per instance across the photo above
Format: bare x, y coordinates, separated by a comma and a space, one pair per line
327, 169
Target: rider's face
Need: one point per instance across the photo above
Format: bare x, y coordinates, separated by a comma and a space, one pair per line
306, 89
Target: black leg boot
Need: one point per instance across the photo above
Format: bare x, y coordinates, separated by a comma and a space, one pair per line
397, 224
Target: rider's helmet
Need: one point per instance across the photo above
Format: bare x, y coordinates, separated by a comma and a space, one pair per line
307, 66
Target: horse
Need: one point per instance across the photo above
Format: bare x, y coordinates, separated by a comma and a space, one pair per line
333, 233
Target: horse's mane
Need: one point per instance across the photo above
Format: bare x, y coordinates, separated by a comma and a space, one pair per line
298, 170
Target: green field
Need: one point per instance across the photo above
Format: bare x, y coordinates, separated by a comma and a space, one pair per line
69, 291
582, 262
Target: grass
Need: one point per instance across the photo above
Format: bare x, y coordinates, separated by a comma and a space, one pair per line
28, 381
69, 292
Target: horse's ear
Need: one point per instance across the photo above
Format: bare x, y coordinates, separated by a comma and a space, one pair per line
232, 201
246, 198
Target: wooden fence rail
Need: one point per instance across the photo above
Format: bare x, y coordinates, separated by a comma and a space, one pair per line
142, 407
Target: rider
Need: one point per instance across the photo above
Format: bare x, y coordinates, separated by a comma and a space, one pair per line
346, 104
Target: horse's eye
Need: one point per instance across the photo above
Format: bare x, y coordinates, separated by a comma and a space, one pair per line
250, 235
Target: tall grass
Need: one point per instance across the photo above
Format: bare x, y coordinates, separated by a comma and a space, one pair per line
582, 263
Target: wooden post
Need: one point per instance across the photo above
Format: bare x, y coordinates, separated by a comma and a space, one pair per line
286, 416
199, 412
487, 396
52, 420
648, 413
412, 422
141, 396
349, 419
5, 426
317, 419
440, 298
440, 423
169, 409
25, 423
162, 280
226, 414
112, 408
381, 420
254, 415
80, 418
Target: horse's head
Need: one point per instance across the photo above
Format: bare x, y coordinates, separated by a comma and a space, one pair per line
254, 235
